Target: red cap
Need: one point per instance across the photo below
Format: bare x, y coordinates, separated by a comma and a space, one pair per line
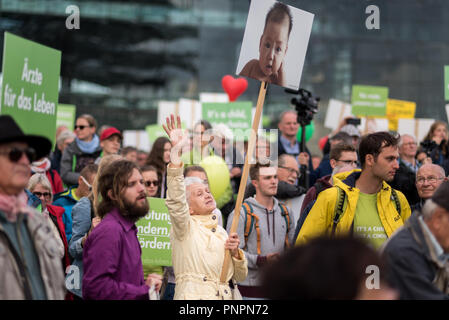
107, 133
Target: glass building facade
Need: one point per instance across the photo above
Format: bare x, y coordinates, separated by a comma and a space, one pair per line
128, 55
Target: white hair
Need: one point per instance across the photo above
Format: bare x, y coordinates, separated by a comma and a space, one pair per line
188, 182
401, 139
63, 136
429, 209
439, 170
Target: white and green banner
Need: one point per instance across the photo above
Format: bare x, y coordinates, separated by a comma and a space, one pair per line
369, 100
30, 85
236, 115
154, 234
65, 116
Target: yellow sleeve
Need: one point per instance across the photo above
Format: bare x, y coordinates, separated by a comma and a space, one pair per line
319, 220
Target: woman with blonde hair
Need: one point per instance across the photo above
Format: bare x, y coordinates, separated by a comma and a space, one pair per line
40, 186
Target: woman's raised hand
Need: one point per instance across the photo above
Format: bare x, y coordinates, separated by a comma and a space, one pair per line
178, 138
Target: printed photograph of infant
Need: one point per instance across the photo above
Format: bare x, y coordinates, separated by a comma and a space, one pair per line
274, 48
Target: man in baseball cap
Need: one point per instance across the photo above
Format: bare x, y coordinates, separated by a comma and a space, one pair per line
31, 269
417, 255
110, 141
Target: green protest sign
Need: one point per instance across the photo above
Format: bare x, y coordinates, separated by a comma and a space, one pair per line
236, 115
65, 116
154, 234
446, 83
155, 131
30, 85
369, 100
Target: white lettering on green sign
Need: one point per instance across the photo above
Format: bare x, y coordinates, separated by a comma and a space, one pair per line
31, 76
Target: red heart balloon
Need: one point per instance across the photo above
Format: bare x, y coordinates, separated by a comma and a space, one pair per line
234, 87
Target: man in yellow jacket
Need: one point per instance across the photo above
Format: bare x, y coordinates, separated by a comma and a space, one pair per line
361, 201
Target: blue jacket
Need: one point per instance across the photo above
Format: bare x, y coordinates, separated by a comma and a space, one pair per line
66, 200
81, 217
323, 169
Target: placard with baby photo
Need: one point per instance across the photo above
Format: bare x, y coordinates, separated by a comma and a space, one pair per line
275, 43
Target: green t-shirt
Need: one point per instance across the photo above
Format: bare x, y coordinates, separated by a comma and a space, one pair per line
367, 224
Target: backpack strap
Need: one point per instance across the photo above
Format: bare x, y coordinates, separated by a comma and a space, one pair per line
338, 212
284, 213
250, 220
73, 162
395, 198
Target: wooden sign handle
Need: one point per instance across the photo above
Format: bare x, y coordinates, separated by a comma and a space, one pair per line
242, 187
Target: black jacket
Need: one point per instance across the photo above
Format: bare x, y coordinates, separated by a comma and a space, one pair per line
411, 268
404, 181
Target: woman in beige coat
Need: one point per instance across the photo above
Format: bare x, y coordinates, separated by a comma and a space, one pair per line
198, 242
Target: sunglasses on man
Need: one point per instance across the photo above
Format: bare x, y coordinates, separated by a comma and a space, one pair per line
14, 154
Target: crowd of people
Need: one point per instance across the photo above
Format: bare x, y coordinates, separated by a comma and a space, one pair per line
306, 229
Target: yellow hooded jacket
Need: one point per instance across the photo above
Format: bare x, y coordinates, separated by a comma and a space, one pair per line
320, 219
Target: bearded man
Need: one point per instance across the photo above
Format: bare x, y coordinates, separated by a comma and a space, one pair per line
112, 254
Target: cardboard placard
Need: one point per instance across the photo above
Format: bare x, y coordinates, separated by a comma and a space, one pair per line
274, 52
30, 85
369, 101
153, 233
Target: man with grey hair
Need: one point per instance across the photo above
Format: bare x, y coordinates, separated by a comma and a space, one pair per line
417, 253
428, 178
404, 179
65, 138
287, 141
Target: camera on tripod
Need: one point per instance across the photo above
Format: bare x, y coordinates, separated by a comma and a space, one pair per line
306, 105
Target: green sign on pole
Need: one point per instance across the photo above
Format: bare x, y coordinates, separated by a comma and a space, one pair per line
154, 234
30, 85
236, 115
369, 100
65, 116
155, 131
446, 83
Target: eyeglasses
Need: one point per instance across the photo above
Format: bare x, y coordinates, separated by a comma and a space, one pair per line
430, 179
81, 127
351, 162
87, 183
46, 195
154, 183
15, 154
290, 170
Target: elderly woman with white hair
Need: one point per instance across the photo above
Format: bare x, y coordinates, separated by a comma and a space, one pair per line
42, 189
198, 242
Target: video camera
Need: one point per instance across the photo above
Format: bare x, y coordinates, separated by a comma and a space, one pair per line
306, 105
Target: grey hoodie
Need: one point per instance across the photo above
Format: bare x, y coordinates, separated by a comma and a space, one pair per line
272, 236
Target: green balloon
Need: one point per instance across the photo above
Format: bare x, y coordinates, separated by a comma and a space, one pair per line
217, 173
310, 128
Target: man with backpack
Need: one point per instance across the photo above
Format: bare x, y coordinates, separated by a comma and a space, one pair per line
343, 157
264, 226
361, 202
